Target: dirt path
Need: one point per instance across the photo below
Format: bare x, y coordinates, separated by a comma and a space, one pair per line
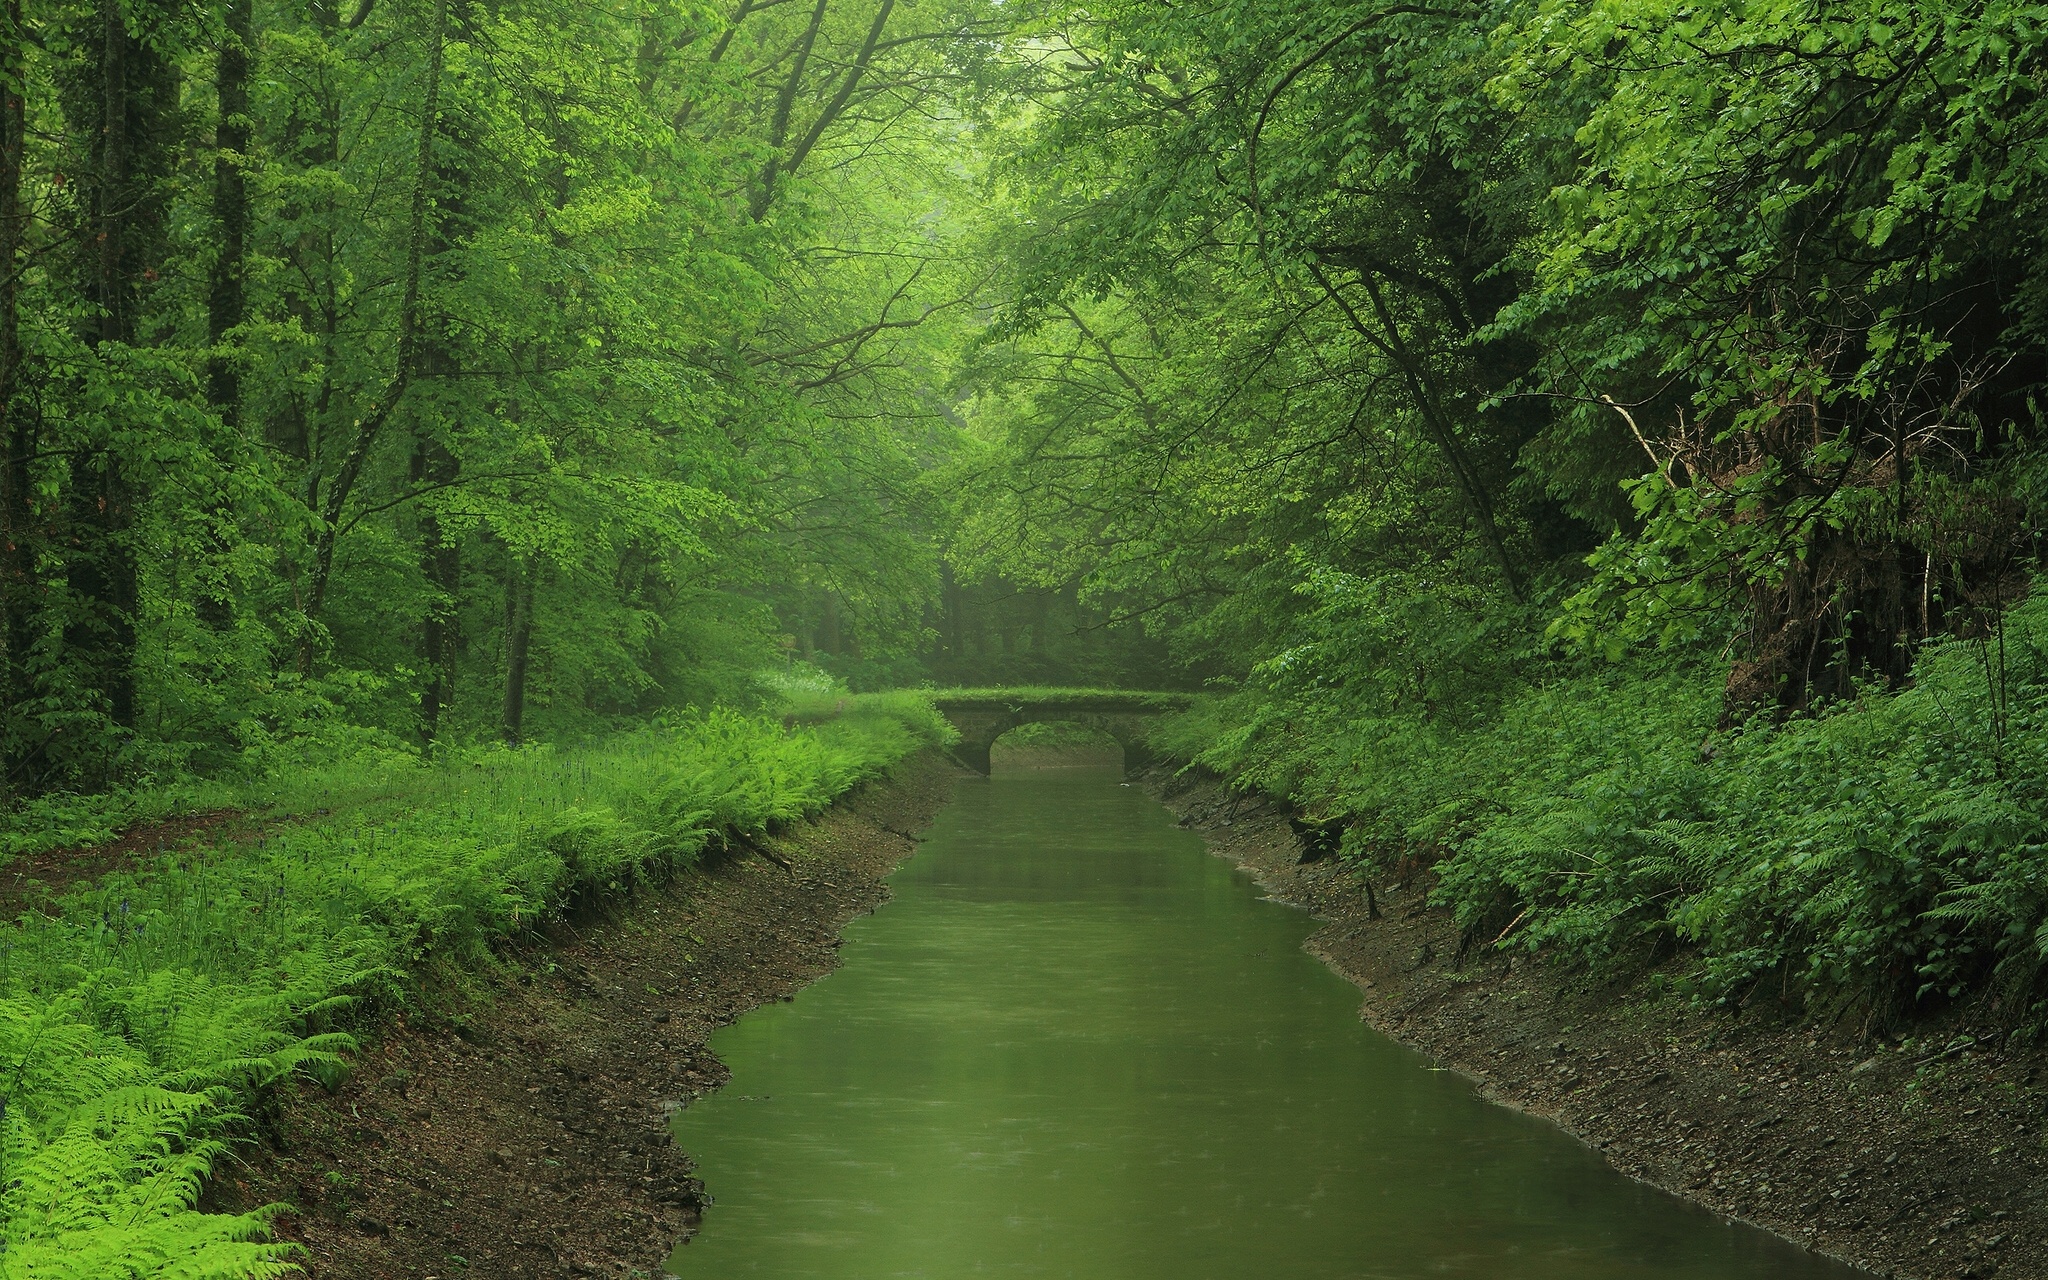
1920, 1158
36, 880
527, 1137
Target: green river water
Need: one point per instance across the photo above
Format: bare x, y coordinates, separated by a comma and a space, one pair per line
1076, 1045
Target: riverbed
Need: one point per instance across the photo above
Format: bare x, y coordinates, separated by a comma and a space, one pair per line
1075, 1045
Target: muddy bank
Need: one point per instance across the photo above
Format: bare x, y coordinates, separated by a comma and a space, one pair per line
522, 1130
1919, 1158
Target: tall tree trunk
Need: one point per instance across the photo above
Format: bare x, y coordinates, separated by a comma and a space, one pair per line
441, 565
519, 593
778, 127
371, 424
20, 591
828, 628
101, 574
951, 602
214, 602
226, 302
436, 465
319, 147
113, 175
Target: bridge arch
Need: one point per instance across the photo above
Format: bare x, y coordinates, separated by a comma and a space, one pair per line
982, 716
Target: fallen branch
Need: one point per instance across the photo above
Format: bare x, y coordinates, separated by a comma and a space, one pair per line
747, 842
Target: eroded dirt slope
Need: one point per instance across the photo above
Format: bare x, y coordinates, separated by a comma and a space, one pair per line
527, 1136
1920, 1157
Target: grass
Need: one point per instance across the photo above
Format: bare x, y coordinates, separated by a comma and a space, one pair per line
141, 1016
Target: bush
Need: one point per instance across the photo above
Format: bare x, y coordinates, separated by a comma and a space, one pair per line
1883, 853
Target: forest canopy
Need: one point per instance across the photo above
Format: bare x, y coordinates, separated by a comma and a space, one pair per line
460, 370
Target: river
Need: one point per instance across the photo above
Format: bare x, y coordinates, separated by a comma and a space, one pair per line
1076, 1045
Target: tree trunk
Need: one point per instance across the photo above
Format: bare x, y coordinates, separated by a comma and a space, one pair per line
101, 575
778, 128
113, 175
441, 564
371, 424
213, 602
20, 591
519, 593
949, 596
1428, 406
230, 204
828, 627
436, 465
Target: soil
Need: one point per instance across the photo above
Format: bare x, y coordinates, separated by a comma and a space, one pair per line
522, 1131
1920, 1156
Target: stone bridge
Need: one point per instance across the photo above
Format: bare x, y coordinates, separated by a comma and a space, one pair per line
983, 715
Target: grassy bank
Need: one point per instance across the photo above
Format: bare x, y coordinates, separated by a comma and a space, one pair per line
143, 1015
1884, 857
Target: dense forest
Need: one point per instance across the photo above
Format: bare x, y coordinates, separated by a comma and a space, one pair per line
1592, 451
1587, 449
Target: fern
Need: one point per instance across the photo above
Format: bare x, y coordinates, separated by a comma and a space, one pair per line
141, 1016
1882, 850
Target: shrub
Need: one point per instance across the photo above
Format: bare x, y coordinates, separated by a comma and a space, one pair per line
1881, 853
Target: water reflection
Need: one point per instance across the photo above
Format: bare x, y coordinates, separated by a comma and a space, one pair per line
1075, 1045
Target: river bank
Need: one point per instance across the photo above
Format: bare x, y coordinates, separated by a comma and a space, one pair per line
1920, 1158
522, 1130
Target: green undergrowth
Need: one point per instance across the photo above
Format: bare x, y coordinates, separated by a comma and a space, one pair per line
65, 821
1885, 856
141, 1016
